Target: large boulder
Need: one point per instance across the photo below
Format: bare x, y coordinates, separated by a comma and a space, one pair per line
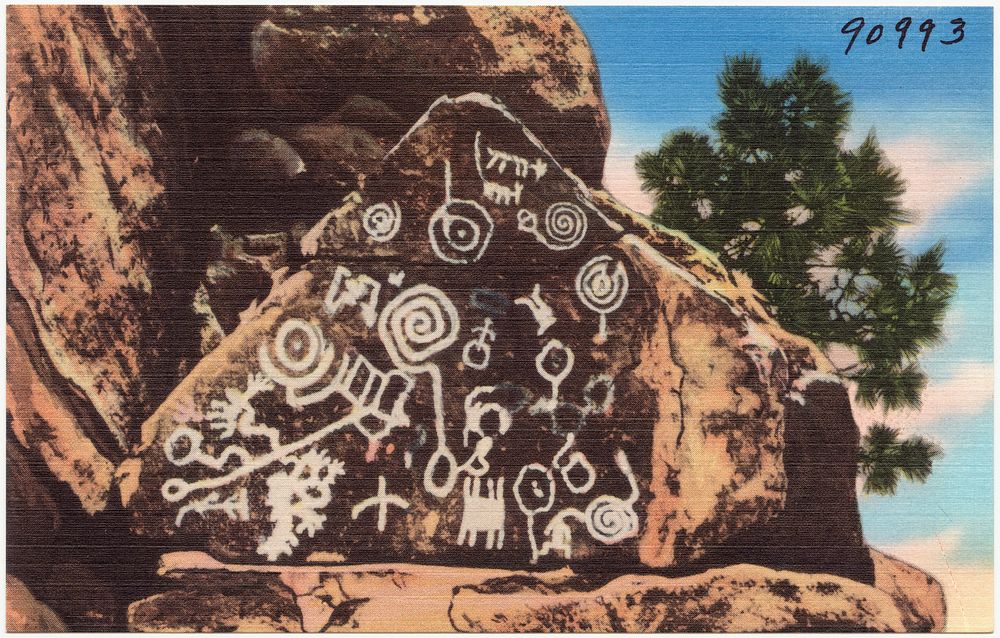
87, 241
203, 594
486, 363
535, 59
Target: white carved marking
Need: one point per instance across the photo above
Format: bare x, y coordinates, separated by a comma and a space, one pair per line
604, 405
177, 489
382, 221
554, 363
560, 536
460, 230
382, 501
575, 459
296, 498
475, 410
611, 519
565, 225
601, 290
480, 345
420, 322
500, 193
303, 358
396, 278
535, 493
503, 195
482, 513
539, 309
236, 507
417, 324
348, 289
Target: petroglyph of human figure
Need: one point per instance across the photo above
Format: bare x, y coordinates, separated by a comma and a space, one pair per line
476, 353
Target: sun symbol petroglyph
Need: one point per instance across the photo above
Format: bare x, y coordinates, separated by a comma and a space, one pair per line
601, 284
460, 230
382, 221
414, 326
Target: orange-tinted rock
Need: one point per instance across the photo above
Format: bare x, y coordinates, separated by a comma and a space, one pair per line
25, 613
85, 202
534, 59
423, 598
484, 364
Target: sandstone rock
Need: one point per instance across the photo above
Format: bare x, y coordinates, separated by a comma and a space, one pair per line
486, 364
534, 59
742, 598
919, 598
25, 613
253, 603
86, 201
368, 598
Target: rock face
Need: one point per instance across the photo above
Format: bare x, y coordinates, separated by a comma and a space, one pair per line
25, 613
485, 364
740, 598
85, 193
535, 59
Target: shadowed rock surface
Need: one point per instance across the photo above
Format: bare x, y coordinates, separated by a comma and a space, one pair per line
610, 396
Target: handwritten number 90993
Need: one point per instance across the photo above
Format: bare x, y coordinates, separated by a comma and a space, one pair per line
856, 26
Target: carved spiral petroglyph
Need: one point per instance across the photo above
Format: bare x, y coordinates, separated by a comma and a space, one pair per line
565, 226
610, 519
417, 324
298, 357
381, 221
602, 284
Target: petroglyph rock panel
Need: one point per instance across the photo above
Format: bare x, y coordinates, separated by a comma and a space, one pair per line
484, 363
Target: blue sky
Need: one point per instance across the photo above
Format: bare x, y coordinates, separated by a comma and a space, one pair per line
933, 113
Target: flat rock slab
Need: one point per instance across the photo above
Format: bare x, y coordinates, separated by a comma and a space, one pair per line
206, 595
485, 363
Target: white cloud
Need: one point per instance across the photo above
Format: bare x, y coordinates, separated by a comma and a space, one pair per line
967, 392
935, 172
968, 588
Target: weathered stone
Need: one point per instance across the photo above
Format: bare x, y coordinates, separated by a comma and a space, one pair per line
251, 603
742, 598
534, 59
368, 598
259, 155
336, 154
485, 364
918, 596
86, 200
25, 613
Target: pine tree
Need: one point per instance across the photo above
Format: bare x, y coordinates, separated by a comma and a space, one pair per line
777, 196
883, 459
